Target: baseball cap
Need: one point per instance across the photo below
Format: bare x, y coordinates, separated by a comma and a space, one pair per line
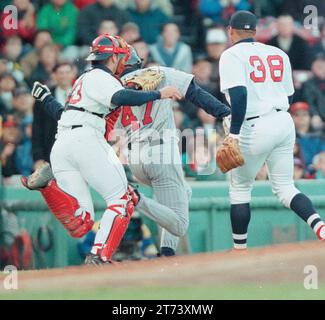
243, 20
216, 35
297, 106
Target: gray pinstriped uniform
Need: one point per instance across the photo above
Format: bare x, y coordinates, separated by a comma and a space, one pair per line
172, 193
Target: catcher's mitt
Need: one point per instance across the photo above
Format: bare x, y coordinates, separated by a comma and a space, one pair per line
228, 155
147, 80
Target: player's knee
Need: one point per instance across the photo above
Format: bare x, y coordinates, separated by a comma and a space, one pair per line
180, 228
285, 194
239, 195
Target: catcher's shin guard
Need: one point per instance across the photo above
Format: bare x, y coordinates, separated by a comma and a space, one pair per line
66, 210
119, 226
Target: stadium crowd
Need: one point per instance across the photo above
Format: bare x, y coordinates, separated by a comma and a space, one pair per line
53, 37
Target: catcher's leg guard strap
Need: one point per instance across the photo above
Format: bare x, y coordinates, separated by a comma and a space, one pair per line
67, 210
121, 212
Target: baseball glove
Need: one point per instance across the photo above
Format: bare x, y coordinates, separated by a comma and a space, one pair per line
228, 155
147, 80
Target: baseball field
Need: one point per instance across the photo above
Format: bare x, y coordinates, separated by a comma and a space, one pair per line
275, 272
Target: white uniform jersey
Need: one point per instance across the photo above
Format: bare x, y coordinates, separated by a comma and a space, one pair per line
155, 117
93, 92
264, 70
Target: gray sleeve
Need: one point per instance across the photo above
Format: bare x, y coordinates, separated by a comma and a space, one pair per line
178, 78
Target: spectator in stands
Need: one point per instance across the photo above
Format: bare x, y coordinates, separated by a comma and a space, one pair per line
313, 93
91, 16
293, 8
44, 127
48, 58
163, 5
319, 47
299, 169
4, 62
9, 140
60, 18
23, 105
221, 11
143, 51
202, 70
216, 44
13, 51
319, 165
109, 27
266, 8
295, 46
30, 60
170, 51
310, 143
7, 87
130, 32
25, 23
13, 48
83, 3
148, 19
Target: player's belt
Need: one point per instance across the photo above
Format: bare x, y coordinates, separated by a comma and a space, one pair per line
255, 117
100, 115
152, 143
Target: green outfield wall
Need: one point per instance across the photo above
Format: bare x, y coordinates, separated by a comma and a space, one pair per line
209, 228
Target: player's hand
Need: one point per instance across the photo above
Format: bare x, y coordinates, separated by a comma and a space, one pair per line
40, 91
170, 93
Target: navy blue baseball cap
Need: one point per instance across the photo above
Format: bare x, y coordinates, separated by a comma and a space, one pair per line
243, 20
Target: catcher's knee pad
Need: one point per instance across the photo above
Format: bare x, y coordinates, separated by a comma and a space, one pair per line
66, 210
123, 211
285, 193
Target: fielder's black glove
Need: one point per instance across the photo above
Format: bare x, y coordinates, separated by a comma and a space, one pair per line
40, 91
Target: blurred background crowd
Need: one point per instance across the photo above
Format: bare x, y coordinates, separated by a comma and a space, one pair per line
53, 37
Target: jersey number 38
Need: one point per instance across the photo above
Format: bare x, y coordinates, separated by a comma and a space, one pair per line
275, 64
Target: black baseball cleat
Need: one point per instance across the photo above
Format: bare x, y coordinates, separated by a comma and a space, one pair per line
166, 252
95, 260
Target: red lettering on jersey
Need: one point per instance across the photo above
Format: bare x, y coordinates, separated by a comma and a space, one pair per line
257, 63
275, 64
276, 67
129, 118
147, 115
75, 95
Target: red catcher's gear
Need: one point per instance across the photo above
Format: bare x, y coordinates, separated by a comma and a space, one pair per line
64, 207
118, 229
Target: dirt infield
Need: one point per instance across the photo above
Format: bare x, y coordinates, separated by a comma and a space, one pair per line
274, 266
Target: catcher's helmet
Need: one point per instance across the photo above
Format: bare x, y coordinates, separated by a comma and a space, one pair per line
104, 46
134, 59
